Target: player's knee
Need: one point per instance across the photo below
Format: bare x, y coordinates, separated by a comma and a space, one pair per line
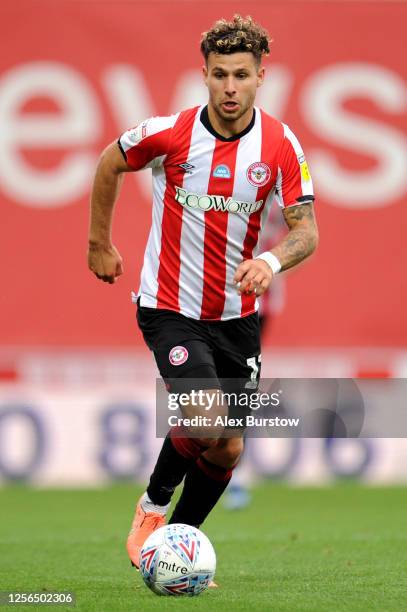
207, 442
233, 450
226, 452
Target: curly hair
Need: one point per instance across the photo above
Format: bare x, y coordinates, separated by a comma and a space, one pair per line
239, 35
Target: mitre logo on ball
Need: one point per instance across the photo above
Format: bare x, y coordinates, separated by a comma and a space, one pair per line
258, 174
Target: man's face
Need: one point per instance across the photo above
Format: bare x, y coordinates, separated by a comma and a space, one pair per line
232, 81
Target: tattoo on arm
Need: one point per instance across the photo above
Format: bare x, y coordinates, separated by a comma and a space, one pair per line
302, 237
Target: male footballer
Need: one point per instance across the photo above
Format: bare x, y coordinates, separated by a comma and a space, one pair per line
217, 169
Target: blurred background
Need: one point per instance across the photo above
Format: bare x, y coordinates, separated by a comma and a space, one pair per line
77, 385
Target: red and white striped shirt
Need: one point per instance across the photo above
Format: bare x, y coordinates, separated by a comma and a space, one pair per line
211, 196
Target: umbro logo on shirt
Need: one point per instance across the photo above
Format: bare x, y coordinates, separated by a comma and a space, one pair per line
187, 167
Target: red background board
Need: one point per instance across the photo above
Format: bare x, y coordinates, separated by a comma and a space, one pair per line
351, 293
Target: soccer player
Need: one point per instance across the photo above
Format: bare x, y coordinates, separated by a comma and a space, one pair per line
217, 168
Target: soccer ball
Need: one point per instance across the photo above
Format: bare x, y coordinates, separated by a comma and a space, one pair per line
177, 559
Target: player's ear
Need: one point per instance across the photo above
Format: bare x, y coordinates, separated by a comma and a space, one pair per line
260, 76
205, 73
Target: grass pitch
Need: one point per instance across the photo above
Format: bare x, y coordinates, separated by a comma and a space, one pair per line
337, 548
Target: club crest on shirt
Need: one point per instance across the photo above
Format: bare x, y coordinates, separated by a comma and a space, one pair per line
178, 355
222, 171
258, 174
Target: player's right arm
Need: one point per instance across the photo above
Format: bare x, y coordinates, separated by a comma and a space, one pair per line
104, 260
143, 146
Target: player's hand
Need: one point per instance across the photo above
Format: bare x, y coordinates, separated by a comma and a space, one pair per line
105, 262
253, 276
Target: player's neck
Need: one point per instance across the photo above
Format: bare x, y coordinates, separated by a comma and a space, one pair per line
227, 129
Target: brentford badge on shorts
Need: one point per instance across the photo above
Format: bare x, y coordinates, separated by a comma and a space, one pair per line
178, 355
258, 174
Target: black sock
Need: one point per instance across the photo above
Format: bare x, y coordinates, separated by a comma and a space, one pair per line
203, 486
169, 470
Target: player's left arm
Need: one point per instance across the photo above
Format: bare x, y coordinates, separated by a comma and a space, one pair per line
302, 238
299, 243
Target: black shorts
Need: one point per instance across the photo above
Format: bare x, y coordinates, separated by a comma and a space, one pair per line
226, 354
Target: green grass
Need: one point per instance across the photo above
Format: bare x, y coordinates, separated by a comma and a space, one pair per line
337, 548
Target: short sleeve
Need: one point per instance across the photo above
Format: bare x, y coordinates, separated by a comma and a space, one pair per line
294, 183
147, 144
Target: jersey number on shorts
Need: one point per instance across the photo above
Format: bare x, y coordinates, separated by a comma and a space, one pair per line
254, 364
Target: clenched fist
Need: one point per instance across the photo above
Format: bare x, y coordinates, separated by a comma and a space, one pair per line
253, 275
105, 262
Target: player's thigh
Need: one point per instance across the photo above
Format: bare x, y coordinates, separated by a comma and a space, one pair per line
238, 365
181, 349
238, 353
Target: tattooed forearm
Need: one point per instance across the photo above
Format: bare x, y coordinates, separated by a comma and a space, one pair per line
296, 246
302, 238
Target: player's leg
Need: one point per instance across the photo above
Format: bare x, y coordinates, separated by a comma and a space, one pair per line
206, 480
164, 330
175, 458
236, 347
